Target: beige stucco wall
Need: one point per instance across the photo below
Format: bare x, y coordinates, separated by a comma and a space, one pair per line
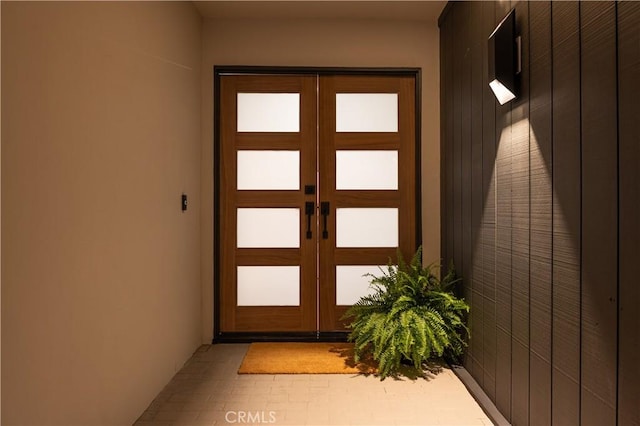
328, 43
101, 287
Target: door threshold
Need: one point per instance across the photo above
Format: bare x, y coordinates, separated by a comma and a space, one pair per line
250, 337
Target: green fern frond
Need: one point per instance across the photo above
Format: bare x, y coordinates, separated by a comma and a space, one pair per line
411, 316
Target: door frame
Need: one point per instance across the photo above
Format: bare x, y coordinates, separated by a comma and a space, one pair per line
218, 72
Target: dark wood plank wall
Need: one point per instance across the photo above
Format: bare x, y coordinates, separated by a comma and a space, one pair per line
629, 212
477, 49
465, 160
520, 230
503, 172
541, 208
456, 141
503, 249
488, 222
447, 125
540, 149
599, 212
565, 164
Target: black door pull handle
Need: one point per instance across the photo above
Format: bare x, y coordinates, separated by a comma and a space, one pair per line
324, 210
309, 207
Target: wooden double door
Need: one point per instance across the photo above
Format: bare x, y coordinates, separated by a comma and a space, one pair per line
317, 188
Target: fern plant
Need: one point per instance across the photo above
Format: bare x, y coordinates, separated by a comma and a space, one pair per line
412, 316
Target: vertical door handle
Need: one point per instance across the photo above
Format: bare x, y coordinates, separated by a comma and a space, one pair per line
309, 207
324, 211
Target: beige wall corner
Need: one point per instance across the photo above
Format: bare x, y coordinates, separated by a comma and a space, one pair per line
323, 43
101, 293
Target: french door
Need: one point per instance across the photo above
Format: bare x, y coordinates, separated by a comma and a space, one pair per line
317, 188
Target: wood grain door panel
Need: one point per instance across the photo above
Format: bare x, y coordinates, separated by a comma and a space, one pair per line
317, 141
234, 318
404, 141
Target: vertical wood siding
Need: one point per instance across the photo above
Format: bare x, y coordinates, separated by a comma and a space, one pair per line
541, 208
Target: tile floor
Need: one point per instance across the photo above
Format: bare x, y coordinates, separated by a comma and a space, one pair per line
208, 391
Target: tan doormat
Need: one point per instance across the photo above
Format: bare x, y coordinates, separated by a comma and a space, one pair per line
302, 358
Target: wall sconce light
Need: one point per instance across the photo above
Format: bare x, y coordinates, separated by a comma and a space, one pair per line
504, 59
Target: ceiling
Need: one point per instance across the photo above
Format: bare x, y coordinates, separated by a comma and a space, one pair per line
416, 10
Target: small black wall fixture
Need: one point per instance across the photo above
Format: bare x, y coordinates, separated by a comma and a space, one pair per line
504, 59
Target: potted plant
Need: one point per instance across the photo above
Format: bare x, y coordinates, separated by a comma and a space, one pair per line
412, 316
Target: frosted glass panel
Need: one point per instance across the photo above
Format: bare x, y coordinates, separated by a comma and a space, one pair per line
268, 112
268, 228
367, 227
352, 284
268, 285
269, 170
366, 169
366, 112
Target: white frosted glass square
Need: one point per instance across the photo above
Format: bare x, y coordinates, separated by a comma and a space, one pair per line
268, 228
352, 282
367, 170
268, 285
366, 112
268, 112
260, 170
367, 227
